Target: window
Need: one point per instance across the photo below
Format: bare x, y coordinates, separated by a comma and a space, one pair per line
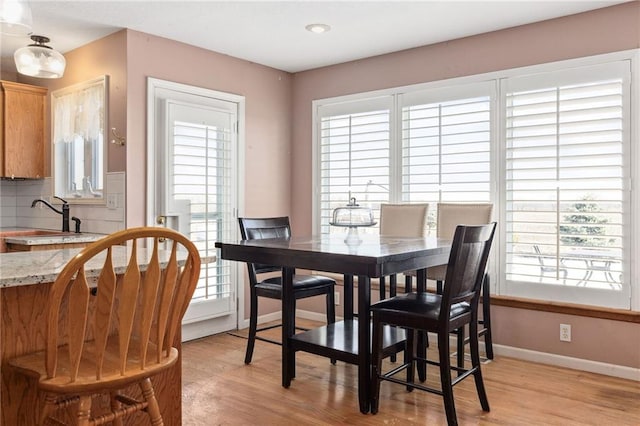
354, 156
446, 146
550, 146
566, 144
78, 116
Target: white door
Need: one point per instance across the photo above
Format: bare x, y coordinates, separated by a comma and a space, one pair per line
193, 188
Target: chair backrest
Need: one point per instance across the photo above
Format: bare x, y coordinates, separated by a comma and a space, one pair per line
403, 220
467, 264
259, 229
451, 215
137, 311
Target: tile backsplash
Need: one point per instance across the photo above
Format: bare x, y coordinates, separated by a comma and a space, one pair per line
16, 198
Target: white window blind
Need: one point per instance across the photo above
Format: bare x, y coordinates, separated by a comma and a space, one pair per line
354, 157
446, 147
566, 171
201, 174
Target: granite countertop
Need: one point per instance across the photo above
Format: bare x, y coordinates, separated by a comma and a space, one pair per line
53, 238
34, 267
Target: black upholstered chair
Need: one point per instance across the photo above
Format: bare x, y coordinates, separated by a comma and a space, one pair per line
303, 285
440, 314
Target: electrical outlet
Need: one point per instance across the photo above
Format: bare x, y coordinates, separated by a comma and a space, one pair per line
112, 201
565, 332
336, 297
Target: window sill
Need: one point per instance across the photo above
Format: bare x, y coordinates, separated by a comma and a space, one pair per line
567, 308
537, 305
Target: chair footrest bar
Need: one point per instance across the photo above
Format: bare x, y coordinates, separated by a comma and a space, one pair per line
264, 339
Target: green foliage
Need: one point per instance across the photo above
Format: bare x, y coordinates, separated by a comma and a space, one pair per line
585, 228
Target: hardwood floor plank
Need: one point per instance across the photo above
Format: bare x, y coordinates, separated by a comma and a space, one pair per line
218, 389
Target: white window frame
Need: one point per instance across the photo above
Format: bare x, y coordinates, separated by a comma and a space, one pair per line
632, 271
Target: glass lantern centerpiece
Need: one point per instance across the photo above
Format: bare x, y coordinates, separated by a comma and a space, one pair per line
352, 216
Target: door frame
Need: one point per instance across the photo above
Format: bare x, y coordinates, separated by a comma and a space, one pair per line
153, 84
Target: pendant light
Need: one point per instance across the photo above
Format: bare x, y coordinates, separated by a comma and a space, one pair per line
39, 60
15, 18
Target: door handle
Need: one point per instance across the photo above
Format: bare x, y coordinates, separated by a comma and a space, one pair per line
161, 220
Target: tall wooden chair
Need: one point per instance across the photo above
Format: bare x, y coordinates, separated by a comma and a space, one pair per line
440, 314
102, 339
271, 287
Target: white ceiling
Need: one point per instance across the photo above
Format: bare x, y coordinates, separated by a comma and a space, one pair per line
273, 33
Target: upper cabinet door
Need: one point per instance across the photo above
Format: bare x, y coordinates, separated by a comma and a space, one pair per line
22, 124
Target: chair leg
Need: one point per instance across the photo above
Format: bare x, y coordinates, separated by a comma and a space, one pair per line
331, 312
253, 325
422, 343
410, 356
460, 348
84, 410
383, 285
445, 378
49, 407
486, 317
153, 409
475, 364
115, 406
408, 284
393, 285
376, 362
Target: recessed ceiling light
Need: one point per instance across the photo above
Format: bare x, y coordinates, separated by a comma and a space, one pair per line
318, 28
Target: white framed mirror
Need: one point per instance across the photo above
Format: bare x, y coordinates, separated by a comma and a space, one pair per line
79, 115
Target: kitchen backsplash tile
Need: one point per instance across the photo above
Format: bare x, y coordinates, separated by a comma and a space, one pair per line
16, 198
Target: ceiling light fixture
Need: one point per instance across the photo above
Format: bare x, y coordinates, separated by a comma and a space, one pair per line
15, 18
39, 60
318, 28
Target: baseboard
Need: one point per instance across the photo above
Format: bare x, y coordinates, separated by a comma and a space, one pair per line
613, 370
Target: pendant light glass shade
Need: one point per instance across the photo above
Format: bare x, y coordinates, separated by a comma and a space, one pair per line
39, 60
15, 18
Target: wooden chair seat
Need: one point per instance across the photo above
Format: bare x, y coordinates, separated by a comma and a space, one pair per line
85, 383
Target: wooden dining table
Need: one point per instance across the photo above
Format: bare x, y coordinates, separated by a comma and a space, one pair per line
373, 257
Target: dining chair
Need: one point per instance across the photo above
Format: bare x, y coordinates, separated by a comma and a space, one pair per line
401, 220
449, 215
271, 287
440, 314
101, 339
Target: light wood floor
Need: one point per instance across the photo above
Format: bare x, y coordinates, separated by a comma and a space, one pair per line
218, 389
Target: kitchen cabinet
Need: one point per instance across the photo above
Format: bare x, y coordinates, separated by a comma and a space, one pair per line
22, 124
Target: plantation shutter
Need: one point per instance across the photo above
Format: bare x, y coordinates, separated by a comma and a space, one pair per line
201, 167
354, 156
446, 146
566, 184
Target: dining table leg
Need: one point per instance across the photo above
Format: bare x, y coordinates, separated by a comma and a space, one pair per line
421, 286
348, 297
288, 327
364, 343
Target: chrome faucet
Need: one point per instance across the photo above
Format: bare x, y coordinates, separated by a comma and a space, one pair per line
64, 212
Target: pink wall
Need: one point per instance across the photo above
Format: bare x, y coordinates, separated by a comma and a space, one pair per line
268, 110
606, 30
106, 56
267, 93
